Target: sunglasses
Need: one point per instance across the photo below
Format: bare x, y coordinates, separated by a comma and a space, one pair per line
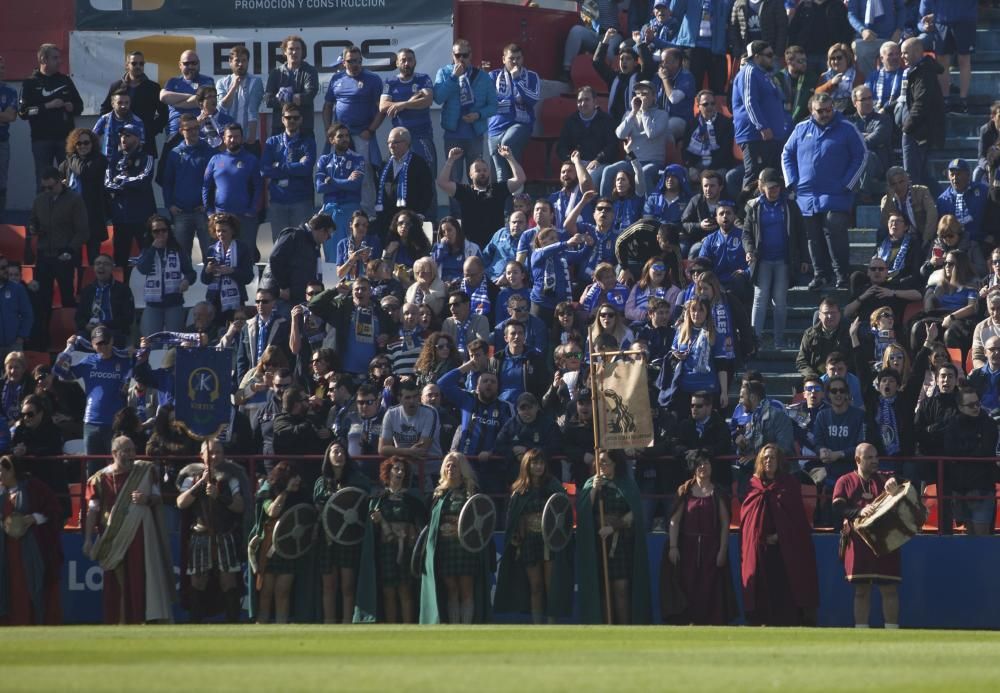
519, 309
814, 388
262, 302
838, 391
574, 355
995, 261
189, 63
461, 56
885, 315
442, 345
949, 263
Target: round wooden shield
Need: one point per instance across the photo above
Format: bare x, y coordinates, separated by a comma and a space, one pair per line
195, 469
476, 522
345, 515
637, 243
295, 531
557, 522
419, 553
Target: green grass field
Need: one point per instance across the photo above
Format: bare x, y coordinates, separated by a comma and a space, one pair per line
494, 658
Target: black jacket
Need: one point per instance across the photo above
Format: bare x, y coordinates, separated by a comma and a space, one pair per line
419, 192
293, 262
817, 26
716, 439
904, 404
146, 104
49, 123
595, 141
622, 98
89, 173
795, 233
122, 310
722, 158
971, 436
924, 119
817, 345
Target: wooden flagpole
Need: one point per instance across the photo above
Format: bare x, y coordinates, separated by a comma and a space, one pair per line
594, 385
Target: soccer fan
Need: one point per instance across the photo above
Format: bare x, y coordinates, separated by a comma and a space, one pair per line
969, 492
182, 181
758, 115
518, 89
589, 131
463, 325
145, 95
107, 302
211, 120
338, 178
232, 183
822, 339
294, 81
241, 94
179, 93
265, 329
129, 180
229, 266
287, 162
481, 203
108, 125
362, 326
403, 183
295, 258
167, 273
410, 429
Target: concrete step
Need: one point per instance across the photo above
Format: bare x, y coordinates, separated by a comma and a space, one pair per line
867, 216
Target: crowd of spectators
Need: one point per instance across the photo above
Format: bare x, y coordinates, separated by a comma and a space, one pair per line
675, 229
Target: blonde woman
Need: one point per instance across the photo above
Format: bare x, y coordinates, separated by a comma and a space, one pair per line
452, 574
695, 351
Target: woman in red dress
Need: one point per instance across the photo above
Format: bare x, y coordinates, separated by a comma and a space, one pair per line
30, 550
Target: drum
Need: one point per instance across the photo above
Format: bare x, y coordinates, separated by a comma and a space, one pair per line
893, 522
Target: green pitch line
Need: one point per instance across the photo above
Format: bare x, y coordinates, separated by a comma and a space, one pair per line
494, 658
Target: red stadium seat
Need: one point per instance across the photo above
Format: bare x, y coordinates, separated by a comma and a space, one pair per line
968, 362
737, 152
582, 73
62, 325
12, 242
537, 162
555, 111
956, 356
73, 521
913, 308
673, 155
931, 503
809, 501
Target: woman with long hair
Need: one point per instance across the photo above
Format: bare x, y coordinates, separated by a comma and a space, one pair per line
840, 78
438, 356
626, 200
406, 242
550, 264
609, 513
452, 249
654, 282
167, 273
229, 266
953, 303
951, 236
609, 324
696, 352
397, 514
729, 316
453, 575
360, 246
338, 564
528, 567
778, 567
604, 289
696, 561
515, 278
83, 172
15, 384
31, 556
281, 491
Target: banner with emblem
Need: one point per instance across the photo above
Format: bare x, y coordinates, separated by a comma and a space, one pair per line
624, 416
202, 385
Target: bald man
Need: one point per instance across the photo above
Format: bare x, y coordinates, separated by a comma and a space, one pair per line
179, 92
403, 183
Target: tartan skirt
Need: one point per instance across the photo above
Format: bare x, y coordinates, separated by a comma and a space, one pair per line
207, 553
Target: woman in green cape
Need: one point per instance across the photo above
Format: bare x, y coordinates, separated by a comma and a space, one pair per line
532, 579
275, 575
397, 516
338, 564
452, 574
623, 534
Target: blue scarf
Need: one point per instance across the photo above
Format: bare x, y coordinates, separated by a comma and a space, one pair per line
899, 262
102, 303
886, 420
700, 352
480, 297
11, 400
263, 332
466, 96
400, 183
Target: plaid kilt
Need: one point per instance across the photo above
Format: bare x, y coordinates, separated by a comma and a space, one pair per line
393, 573
532, 549
452, 558
203, 559
333, 555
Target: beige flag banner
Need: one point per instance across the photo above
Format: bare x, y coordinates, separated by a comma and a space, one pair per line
624, 415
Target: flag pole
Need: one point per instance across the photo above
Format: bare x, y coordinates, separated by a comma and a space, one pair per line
597, 466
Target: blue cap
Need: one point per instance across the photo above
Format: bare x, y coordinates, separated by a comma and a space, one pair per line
958, 165
129, 129
726, 203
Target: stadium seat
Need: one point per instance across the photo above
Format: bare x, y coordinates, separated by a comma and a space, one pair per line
12, 242
931, 503
536, 162
913, 308
582, 73
956, 356
556, 111
62, 325
968, 362
73, 521
673, 155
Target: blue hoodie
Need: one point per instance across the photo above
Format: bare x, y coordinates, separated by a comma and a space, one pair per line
824, 164
659, 207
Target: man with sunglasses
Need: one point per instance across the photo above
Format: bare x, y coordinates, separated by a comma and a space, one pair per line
106, 301
875, 289
145, 95
839, 429
463, 325
971, 433
262, 420
468, 99
129, 181
179, 92
363, 328
758, 113
261, 331
803, 415
360, 426
292, 81
967, 200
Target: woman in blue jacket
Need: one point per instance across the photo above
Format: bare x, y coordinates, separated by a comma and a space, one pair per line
550, 275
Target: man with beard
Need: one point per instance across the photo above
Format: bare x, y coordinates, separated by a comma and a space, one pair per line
287, 164
240, 95
406, 101
182, 181
295, 81
109, 124
574, 180
129, 180
353, 97
338, 179
179, 92
482, 203
233, 184
145, 96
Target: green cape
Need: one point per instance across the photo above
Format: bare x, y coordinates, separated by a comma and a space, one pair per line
588, 559
367, 607
429, 596
513, 593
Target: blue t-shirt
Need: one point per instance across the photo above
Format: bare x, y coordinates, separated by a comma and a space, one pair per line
362, 333
417, 121
8, 99
355, 99
235, 181
182, 86
104, 382
726, 252
773, 236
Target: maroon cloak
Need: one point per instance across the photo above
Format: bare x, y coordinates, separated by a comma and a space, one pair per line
778, 579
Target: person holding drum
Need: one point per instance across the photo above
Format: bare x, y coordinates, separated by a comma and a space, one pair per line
609, 513
529, 567
780, 586
338, 563
852, 498
697, 558
464, 574
275, 575
398, 514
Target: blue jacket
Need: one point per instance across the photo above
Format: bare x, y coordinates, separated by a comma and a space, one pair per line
288, 164
684, 82
480, 422
824, 164
757, 105
338, 189
501, 249
950, 11
184, 175
446, 95
129, 179
689, 12
563, 257
884, 26
975, 197
16, 316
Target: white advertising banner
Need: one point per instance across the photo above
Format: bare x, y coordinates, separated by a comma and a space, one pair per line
98, 57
